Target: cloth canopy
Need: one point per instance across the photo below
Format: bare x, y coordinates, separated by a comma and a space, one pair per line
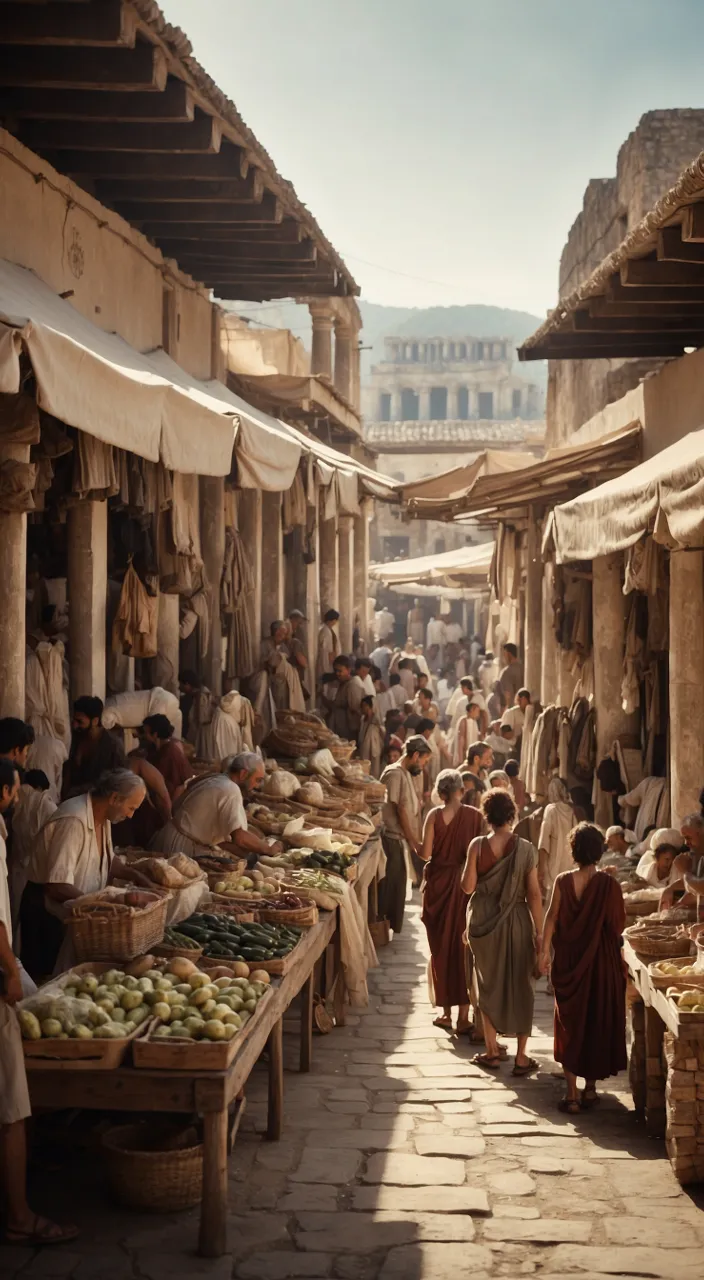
97, 382
450, 568
422, 590
451, 487
664, 495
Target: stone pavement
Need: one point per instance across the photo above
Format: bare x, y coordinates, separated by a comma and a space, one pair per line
401, 1160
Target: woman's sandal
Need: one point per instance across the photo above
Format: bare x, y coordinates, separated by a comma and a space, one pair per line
486, 1060
590, 1098
525, 1068
44, 1232
445, 1024
571, 1105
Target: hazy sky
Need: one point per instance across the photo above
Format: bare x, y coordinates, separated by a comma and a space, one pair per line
444, 146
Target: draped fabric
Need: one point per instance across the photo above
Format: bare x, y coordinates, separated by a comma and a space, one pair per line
134, 630
237, 606
445, 904
500, 934
17, 481
589, 979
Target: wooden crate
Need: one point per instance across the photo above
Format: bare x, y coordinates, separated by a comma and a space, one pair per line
194, 1055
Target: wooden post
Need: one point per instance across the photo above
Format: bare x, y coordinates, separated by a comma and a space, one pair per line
13, 588
250, 522
212, 538
609, 611
345, 537
275, 1117
686, 689
87, 596
272, 562
550, 650
306, 1051
212, 1241
533, 605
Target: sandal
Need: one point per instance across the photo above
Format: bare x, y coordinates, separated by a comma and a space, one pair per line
44, 1232
486, 1060
571, 1105
525, 1068
590, 1098
444, 1023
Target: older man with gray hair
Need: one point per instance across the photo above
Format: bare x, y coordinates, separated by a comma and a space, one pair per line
688, 868
211, 814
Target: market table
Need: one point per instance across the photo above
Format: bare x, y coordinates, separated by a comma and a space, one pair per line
666, 1071
210, 1094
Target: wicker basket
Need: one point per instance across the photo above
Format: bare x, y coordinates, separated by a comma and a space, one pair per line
115, 932
664, 980
302, 916
295, 744
342, 752
165, 952
656, 943
145, 1174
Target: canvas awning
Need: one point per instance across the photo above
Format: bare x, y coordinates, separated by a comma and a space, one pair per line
300, 396
497, 491
463, 567
664, 495
424, 592
426, 498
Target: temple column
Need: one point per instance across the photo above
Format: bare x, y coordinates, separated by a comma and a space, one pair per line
609, 628
166, 663
13, 587
355, 387
345, 538
551, 653
249, 515
361, 565
87, 538
212, 538
272, 607
686, 686
343, 359
321, 349
396, 414
424, 404
533, 605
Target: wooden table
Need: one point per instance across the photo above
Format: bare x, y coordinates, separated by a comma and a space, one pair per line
209, 1094
666, 1071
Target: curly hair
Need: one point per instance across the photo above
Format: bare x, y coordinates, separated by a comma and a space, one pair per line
498, 807
586, 843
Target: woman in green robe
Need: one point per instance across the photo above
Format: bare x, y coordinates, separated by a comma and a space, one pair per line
504, 928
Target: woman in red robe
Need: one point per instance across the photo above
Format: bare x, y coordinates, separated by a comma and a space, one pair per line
584, 925
447, 834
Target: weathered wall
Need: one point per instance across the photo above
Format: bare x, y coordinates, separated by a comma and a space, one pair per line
70, 241
650, 160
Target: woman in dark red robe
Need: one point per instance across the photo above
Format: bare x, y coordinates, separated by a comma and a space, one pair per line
584, 925
447, 835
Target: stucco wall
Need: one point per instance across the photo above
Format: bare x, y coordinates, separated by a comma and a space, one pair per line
72, 242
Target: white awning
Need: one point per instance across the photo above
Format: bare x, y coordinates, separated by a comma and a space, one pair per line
448, 568
664, 495
267, 454
97, 382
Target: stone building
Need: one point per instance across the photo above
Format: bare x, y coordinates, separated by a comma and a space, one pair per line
431, 404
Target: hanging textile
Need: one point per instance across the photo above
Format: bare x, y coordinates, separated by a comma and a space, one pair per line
633, 658
94, 470
237, 607
47, 711
197, 610
135, 626
294, 506
17, 481
178, 537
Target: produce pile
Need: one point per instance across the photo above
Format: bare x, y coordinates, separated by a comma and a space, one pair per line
169, 873
223, 937
181, 941
197, 1008
106, 1006
261, 883
688, 1001
318, 858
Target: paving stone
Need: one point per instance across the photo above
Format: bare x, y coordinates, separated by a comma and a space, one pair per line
462, 1199
514, 1211
368, 1232
351, 1267
427, 1261
316, 1198
328, 1165
280, 1264
657, 1231
454, 1108
387, 1106
493, 1114
347, 1108
361, 1139
558, 1145
512, 1184
685, 1264
650, 1178
179, 1266
555, 1164
458, 1067
414, 1171
466, 1148
278, 1156
542, 1231
508, 1130
50, 1262
399, 1121
348, 1095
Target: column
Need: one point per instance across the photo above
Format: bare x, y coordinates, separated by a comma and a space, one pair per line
329, 566
249, 515
551, 653
343, 359
356, 372
686, 687
396, 414
533, 605
361, 563
609, 626
321, 350
87, 530
345, 538
13, 586
424, 404
212, 538
166, 663
272, 563
295, 571
312, 606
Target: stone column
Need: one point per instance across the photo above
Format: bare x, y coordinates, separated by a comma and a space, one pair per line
329, 566
533, 605
166, 663
361, 564
343, 359
551, 653
249, 515
686, 687
13, 586
609, 614
345, 538
356, 372
396, 414
424, 404
321, 350
212, 539
87, 530
272, 563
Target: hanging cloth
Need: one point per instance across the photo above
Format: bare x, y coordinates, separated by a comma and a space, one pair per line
135, 625
294, 504
17, 480
95, 474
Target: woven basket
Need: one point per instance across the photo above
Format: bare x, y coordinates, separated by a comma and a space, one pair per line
172, 953
143, 1175
305, 917
115, 932
664, 980
297, 744
342, 752
656, 943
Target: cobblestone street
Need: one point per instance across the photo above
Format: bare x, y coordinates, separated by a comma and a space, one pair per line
403, 1161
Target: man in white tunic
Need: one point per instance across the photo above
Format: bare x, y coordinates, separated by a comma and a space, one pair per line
210, 812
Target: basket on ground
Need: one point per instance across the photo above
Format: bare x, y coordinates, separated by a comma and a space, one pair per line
145, 1172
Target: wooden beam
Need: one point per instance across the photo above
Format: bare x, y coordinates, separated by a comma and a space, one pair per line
668, 295
202, 136
627, 348
672, 248
583, 322
275, 233
229, 162
143, 67
603, 307
102, 22
155, 218
693, 224
247, 291
182, 190
642, 271
175, 103
205, 253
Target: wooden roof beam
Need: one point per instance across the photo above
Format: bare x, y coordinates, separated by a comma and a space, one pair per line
175, 103
98, 23
229, 162
604, 308
626, 348
672, 248
44, 67
667, 295
225, 237
202, 136
267, 209
249, 291
205, 254
693, 224
182, 190
583, 322
643, 271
